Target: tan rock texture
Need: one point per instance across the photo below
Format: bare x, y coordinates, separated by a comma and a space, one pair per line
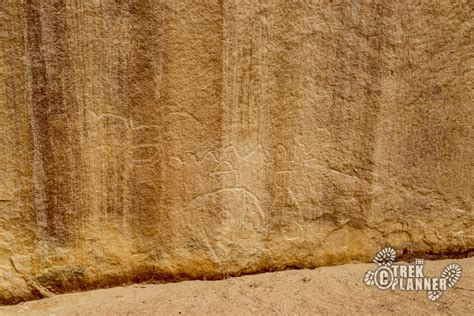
198, 139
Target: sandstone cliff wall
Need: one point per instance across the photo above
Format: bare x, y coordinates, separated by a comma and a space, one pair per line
171, 139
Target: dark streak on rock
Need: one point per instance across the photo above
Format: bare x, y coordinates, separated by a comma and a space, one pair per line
54, 110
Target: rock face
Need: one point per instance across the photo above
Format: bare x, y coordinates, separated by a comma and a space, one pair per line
191, 139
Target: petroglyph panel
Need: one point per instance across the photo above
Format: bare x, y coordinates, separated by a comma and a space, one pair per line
199, 139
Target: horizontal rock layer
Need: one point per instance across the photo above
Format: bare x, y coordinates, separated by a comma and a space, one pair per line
199, 139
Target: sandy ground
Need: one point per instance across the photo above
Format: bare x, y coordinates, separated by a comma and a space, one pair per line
326, 290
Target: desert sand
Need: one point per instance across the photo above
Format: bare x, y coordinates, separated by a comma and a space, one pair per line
325, 290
